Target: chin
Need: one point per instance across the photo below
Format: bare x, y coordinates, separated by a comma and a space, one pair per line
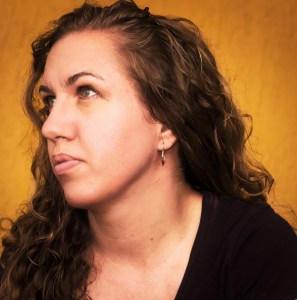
78, 200
81, 198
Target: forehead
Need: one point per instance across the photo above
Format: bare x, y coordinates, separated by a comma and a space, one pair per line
88, 50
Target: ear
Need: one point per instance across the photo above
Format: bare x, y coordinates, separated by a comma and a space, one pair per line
167, 138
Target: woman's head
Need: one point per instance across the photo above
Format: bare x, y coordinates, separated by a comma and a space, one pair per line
102, 142
177, 78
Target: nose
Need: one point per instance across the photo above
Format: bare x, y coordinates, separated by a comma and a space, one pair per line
60, 122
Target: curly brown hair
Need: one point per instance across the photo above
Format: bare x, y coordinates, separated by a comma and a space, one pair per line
176, 73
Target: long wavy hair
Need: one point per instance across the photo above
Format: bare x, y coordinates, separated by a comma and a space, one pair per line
177, 76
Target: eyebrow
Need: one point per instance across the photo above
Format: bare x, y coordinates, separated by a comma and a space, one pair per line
71, 80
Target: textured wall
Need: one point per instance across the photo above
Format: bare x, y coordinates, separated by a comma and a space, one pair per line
255, 43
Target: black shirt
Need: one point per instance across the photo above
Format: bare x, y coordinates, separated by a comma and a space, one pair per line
242, 251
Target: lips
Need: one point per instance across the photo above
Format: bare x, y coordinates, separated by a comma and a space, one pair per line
64, 163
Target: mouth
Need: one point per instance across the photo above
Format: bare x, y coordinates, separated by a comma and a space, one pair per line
63, 163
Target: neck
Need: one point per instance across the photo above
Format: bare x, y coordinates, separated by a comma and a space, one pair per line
132, 229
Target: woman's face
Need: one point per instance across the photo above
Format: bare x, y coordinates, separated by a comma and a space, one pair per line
102, 143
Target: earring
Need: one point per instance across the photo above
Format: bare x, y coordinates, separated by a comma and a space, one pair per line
163, 157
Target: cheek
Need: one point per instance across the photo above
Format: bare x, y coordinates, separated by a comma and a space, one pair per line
119, 136
118, 122
50, 147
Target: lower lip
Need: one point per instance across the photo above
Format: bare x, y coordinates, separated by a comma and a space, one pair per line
66, 166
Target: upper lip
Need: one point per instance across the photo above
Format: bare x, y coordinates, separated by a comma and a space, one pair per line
61, 157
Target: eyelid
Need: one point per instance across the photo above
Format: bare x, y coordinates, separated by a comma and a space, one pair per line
81, 88
48, 96
46, 99
45, 95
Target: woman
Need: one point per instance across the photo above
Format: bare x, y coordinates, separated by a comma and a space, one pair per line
144, 189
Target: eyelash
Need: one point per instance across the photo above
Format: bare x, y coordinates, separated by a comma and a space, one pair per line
47, 101
82, 88
79, 91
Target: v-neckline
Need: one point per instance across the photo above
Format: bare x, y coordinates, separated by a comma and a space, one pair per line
198, 241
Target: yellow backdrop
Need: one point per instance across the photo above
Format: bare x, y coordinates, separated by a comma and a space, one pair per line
255, 43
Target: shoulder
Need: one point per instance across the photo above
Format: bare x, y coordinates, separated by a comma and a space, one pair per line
260, 248
239, 219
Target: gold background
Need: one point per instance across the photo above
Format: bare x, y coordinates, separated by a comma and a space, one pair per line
255, 44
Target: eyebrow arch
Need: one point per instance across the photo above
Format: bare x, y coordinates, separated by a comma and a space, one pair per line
70, 80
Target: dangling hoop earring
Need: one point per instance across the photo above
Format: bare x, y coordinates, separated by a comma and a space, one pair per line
163, 157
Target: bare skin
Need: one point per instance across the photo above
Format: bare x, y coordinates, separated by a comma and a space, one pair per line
146, 260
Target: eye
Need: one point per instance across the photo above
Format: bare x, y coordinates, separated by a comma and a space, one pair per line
86, 92
49, 101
